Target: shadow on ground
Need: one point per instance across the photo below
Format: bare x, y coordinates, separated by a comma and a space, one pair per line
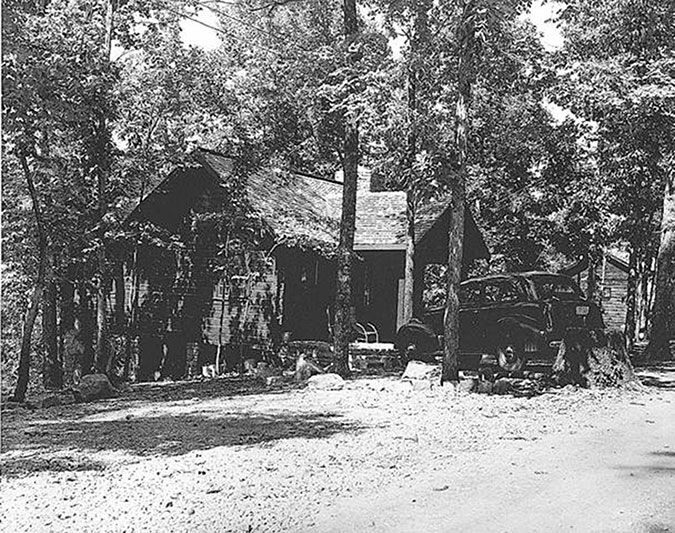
201, 389
167, 434
663, 465
24, 466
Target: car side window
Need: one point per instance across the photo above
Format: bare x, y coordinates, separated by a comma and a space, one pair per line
470, 294
501, 292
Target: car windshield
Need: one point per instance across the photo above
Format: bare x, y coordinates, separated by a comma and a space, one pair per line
556, 288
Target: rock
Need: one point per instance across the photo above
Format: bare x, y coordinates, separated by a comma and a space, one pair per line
305, 368
326, 382
421, 384
526, 388
467, 385
271, 381
263, 371
517, 387
419, 370
399, 387
484, 387
249, 366
94, 387
449, 387
502, 386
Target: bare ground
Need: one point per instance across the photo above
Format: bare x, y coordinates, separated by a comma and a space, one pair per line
227, 456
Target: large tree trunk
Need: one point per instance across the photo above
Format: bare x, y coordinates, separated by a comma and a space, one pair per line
70, 345
120, 297
102, 164
85, 365
592, 281
409, 269
664, 298
101, 346
631, 298
412, 270
34, 304
466, 37
342, 330
52, 368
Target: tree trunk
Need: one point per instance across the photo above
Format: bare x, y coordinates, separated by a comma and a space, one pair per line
592, 281
52, 368
69, 342
466, 37
342, 330
24, 355
411, 273
101, 346
631, 298
102, 165
664, 297
86, 363
120, 298
410, 270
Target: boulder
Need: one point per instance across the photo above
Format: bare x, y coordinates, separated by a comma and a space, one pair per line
94, 387
467, 385
502, 386
326, 382
418, 370
305, 368
272, 381
263, 371
400, 387
484, 387
517, 387
421, 384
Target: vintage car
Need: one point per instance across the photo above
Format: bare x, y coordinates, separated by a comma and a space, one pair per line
508, 319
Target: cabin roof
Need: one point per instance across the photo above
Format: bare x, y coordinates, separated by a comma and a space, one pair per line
297, 205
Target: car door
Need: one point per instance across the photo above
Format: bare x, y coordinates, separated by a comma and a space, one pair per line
500, 297
470, 301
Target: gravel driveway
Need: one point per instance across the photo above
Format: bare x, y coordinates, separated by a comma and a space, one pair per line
225, 455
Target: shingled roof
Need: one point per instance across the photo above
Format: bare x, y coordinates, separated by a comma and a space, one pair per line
300, 206
295, 203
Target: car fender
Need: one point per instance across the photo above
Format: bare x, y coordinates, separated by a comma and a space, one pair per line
421, 328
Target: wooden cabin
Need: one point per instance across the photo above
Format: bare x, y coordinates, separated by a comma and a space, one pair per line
612, 274
281, 278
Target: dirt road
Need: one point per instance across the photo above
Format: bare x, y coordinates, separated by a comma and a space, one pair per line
225, 456
617, 476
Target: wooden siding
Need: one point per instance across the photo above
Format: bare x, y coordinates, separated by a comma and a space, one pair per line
255, 311
613, 284
230, 305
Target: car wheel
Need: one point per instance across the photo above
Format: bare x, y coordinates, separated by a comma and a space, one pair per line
409, 353
415, 341
510, 352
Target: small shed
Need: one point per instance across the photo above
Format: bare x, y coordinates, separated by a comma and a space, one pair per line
612, 277
287, 275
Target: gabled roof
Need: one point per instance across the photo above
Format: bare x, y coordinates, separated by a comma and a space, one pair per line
300, 206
